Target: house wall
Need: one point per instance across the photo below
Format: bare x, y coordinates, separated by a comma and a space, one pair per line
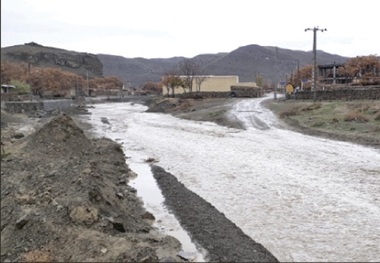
210, 84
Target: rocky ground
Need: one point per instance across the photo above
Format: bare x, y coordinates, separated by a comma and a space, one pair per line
65, 197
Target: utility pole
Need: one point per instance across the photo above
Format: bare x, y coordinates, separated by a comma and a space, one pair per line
276, 84
314, 72
88, 87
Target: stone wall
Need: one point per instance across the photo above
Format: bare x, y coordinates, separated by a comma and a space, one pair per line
57, 104
244, 91
195, 95
349, 93
30, 106
236, 91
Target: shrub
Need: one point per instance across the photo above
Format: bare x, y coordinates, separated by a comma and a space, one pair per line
21, 87
289, 112
314, 106
318, 124
355, 116
334, 120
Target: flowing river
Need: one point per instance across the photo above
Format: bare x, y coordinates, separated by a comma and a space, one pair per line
304, 198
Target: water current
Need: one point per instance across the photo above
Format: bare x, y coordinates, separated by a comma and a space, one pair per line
304, 198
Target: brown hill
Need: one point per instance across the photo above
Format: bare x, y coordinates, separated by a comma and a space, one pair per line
247, 62
42, 56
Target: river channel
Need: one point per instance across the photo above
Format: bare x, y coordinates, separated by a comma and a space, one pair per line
304, 198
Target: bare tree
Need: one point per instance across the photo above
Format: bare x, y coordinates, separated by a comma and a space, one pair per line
199, 79
189, 68
172, 81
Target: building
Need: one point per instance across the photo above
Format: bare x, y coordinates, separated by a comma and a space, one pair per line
328, 74
218, 84
7, 88
211, 83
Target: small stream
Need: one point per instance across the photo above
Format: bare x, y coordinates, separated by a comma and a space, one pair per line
165, 221
148, 190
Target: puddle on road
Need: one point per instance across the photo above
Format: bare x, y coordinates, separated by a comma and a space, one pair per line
166, 223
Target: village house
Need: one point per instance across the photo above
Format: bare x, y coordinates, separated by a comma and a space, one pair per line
220, 84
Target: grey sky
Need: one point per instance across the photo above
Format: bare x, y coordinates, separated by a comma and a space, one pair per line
167, 28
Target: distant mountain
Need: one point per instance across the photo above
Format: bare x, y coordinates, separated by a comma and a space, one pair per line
137, 71
272, 63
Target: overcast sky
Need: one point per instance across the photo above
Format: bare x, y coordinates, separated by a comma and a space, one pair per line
168, 28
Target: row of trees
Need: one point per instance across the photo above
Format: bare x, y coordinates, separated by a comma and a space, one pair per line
361, 70
52, 81
190, 72
365, 70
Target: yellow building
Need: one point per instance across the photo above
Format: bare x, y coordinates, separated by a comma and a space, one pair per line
211, 83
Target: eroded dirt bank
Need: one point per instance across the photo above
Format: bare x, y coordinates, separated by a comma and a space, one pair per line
65, 197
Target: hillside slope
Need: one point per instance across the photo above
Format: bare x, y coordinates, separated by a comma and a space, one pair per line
272, 63
42, 56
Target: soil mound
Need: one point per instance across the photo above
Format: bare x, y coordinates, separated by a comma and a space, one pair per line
61, 135
66, 198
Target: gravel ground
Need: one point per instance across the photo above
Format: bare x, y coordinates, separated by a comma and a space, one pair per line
223, 240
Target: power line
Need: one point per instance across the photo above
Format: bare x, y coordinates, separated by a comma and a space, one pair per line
314, 72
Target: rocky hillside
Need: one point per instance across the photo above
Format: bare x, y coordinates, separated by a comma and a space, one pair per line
42, 56
247, 62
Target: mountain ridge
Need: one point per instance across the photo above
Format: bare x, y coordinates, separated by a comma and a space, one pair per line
272, 63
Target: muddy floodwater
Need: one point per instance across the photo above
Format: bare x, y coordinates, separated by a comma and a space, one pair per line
303, 198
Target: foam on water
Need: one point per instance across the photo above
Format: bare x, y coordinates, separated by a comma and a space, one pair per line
304, 198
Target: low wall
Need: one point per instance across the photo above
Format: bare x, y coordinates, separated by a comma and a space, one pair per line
30, 106
243, 91
210, 94
340, 94
236, 91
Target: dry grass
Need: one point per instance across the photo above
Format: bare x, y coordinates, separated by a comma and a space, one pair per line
311, 107
289, 112
357, 121
355, 116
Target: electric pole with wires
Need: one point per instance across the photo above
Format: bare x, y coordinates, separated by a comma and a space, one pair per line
314, 72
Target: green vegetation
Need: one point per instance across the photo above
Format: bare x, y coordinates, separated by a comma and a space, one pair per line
21, 87
358, 120
3, 153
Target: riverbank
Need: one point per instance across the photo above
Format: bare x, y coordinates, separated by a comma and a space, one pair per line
351, 121
354, 121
